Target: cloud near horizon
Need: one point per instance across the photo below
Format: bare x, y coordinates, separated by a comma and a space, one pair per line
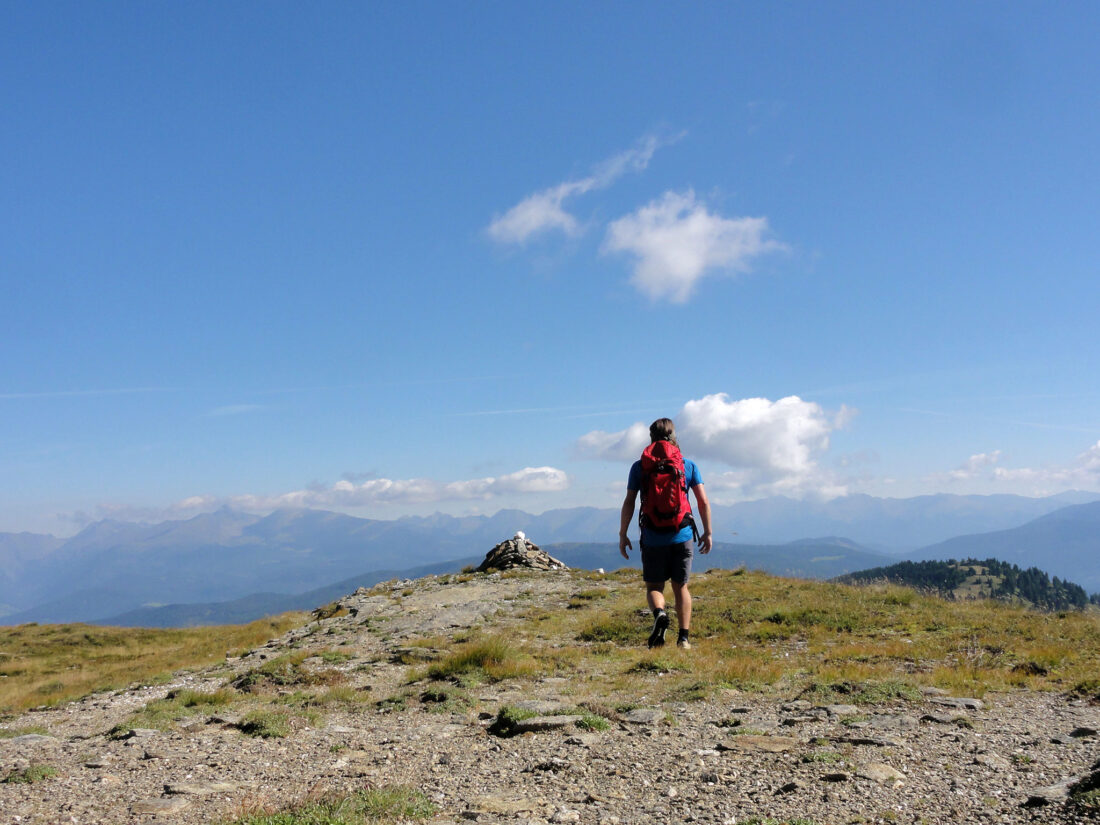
543, 211
974, 466
1083, 472
347, 493
773, 447
676, 241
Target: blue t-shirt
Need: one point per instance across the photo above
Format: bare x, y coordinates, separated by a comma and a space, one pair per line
650, 537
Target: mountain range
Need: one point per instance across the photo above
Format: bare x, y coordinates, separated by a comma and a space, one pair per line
121, 570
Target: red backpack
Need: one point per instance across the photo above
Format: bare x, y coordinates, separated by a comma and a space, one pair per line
665, 506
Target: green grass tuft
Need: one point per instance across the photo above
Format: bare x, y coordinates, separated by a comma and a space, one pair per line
863, 693
30, 775
266, 724
491, 659
379, 805
286, 671
592, 722
507, 718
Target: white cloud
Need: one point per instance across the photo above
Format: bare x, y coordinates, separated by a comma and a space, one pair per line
974, 466
1083, 471
345, 493
543, 211
982, 469
621, 446
773, 447
677, 240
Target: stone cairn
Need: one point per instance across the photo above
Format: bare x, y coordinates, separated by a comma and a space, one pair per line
519, 552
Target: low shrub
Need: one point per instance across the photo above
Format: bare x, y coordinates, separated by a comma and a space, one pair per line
286, 671
266, 724
31, 774
507, 718
491, 659
378, 805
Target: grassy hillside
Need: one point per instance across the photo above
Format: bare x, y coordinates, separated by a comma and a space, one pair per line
51, 664
751, 631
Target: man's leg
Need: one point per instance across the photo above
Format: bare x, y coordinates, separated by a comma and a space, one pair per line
655, 595
683, 604
681, 593
655, 573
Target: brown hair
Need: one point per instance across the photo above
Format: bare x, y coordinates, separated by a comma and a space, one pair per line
663, 429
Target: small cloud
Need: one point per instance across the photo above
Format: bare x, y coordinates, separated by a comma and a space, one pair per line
350, 493
974, 466
676, 240
1083, 471
626, 445
544, 212
410, 491
355, 477
234, 409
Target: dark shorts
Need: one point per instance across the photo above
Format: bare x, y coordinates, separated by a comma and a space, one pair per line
667, 561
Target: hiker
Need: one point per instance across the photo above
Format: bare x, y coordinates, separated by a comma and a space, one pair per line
667, 527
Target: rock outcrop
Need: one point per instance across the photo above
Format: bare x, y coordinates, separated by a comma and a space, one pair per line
519, 552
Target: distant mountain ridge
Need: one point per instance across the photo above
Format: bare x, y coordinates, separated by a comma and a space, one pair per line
1064, 543
112, 568
799, 559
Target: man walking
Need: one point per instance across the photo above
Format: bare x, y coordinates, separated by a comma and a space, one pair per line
664, 477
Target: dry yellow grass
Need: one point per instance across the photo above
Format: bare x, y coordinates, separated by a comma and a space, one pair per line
752, 631
50, 664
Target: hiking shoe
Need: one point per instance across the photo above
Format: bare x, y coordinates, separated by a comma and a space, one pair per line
683, 644
660, 625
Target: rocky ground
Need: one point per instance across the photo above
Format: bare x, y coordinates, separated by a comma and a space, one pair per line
943, 759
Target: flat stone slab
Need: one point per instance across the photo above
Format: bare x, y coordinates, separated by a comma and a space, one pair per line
959, 702
751, 742
881, 773
789, 721
506, 807
172, 805
992, 760
644, 716
203, 789
540, 723
874, 741
842, 710
1049, 794
941, 718
894, 722
33, 739
142, 733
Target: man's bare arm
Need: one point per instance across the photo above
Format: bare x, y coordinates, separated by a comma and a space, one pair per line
706, 541
624, 521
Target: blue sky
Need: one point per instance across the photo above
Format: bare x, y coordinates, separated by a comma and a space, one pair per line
399, 258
